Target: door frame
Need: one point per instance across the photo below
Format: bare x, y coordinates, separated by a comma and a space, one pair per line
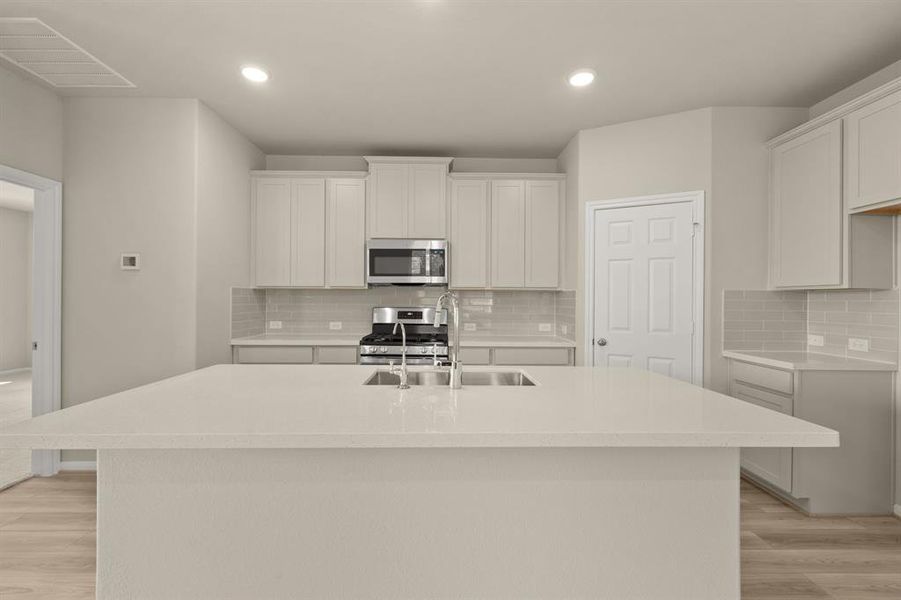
47, 301
696, 200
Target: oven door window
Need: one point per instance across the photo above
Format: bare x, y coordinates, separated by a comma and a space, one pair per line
399, 263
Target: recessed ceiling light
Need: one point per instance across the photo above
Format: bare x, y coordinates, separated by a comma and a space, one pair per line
582, 77
254, 74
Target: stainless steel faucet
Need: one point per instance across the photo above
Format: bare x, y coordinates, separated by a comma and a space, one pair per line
456, 367
402, 371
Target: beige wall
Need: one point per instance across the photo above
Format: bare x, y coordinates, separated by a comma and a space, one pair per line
129, 185
737, 213
15, 289
31, 126
568, 162
224, 158
278, 162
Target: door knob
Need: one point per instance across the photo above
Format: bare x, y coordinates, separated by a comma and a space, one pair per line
602, 342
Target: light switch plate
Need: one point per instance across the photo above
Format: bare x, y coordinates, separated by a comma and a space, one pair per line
814, 340
564, 329
469, 326
859, 344
275, 324
544, 327
335, 325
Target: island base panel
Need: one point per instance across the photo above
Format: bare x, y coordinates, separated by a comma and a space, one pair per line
415, 523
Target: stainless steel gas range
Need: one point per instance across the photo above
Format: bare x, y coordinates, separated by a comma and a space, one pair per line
426, 344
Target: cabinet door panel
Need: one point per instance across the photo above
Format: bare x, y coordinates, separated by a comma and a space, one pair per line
542, 234
388, 200
507, 234
469, 234
272, 235
873, 169
347, 235
427, 202
807, 211
773, 465
308, 239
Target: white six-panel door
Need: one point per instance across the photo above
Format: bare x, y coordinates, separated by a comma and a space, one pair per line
643, 288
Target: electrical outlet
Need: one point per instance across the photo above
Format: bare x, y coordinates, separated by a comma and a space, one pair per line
469, 326
564, 329
814, 340
275, 324
335, 325
859, 344
544, 327
481, 301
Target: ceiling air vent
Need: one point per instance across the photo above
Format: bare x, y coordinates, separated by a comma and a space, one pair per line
32, 45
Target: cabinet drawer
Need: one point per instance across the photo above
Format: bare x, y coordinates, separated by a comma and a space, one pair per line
275, 355
765, 377
777, 402
475, 356
531, 356
338, 355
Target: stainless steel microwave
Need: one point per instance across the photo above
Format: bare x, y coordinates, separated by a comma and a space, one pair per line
406, 262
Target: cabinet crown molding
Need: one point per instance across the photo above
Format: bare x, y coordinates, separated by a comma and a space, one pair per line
311, 174
427, 160
499, 176
838, 112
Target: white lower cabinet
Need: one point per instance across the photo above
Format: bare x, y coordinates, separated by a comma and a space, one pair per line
854, 478
309, 231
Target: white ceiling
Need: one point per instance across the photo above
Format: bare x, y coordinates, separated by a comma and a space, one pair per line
16, 197
472, 78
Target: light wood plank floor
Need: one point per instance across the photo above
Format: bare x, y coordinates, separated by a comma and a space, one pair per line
48, 542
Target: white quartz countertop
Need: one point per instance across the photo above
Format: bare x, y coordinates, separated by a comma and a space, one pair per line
808, 361
501, 341
319, 406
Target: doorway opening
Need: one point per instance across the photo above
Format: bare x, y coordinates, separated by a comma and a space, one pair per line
30, 294
644, 284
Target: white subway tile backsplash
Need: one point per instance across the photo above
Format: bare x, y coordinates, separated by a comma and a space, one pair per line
310, 312
780, 320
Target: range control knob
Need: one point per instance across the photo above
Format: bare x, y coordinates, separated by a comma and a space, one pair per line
383, 349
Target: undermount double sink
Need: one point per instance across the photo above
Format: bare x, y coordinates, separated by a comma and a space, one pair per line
438, 378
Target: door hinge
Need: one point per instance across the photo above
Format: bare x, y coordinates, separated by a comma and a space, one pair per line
694, 228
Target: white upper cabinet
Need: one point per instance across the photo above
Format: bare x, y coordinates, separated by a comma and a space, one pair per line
542, 236
505, 231
308, 231
388, 194
873, 154
347, 233
427, 212
806, 210
469, 234
407, 197
508, 240
272, 232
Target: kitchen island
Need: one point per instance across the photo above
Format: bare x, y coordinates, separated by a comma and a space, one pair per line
285, 481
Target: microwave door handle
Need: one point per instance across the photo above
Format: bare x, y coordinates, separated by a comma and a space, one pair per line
428, 264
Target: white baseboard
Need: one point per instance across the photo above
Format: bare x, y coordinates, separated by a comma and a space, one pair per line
898, 510
78, 465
